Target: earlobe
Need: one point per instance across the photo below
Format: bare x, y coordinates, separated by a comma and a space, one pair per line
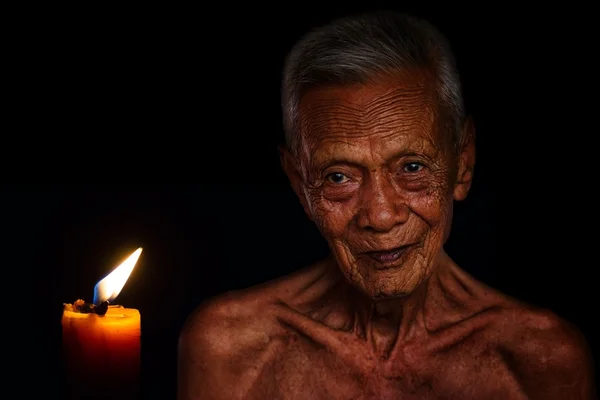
466, 161
290, 167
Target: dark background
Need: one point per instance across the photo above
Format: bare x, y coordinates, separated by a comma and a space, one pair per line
158, 128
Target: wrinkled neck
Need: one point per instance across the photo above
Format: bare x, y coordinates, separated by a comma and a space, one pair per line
378, 322
442, 299
383, 322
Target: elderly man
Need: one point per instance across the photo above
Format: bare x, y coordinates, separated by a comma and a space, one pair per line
378, 148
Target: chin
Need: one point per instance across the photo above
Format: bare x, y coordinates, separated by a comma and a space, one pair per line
381, 290
389, 283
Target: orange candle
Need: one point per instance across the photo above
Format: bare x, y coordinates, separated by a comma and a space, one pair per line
101, 344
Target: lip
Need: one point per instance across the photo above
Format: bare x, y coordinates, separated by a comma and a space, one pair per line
388, 257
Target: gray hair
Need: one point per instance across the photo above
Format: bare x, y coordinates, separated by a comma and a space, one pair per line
356, 49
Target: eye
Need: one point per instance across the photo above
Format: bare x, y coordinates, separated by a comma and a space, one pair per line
337, 178
413, 167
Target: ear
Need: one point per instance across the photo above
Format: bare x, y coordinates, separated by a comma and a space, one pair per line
466, 161
291, 168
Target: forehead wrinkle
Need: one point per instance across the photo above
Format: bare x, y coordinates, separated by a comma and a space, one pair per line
424, 122
341, 115
326, 150
327, 119
387, 122
393, 99
360, 112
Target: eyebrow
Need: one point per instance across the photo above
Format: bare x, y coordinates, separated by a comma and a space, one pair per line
336, 161
347, 161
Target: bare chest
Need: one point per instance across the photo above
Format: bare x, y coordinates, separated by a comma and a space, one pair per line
469, 371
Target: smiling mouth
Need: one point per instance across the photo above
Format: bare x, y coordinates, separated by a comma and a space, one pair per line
388, 257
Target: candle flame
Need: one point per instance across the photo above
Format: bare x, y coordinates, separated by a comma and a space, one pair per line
109, 288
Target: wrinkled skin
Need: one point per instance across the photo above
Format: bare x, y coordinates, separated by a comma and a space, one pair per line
377, 171
379, 175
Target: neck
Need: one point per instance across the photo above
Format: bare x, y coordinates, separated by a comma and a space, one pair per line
384, 322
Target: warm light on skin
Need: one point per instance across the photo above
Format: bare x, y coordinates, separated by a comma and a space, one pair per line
109, 288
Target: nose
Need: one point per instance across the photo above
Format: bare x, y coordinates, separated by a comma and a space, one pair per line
383, 207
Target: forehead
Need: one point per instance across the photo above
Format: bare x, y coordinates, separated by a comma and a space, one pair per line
387, 115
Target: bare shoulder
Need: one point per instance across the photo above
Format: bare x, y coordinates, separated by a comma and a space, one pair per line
225, 345
550, 355
234, 337
243, 317
222, 325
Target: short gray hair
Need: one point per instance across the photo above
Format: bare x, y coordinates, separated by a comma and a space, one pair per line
356, 49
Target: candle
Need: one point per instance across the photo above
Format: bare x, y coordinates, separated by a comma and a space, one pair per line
101, 342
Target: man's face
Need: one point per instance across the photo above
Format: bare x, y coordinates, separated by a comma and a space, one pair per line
377, 177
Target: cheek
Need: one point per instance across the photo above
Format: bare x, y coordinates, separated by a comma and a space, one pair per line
433, 205
332, 218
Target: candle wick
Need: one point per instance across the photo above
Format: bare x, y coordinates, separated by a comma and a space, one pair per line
102, 308
89, 308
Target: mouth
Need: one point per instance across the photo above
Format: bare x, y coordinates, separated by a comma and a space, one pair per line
388, 257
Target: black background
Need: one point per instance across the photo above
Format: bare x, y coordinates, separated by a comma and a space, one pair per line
158, 128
